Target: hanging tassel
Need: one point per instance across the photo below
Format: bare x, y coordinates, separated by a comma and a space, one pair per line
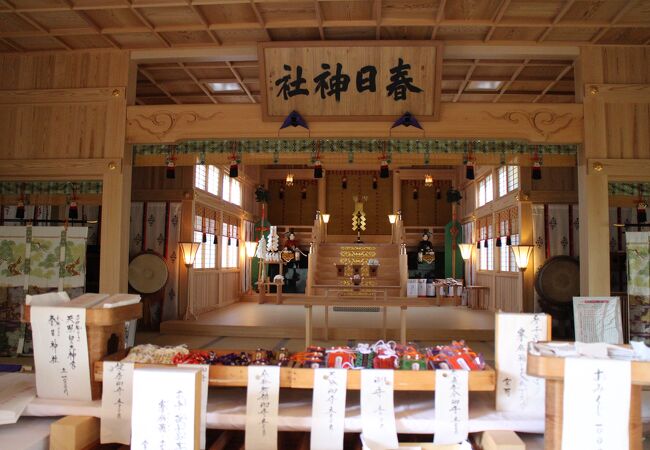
485, 244
469, 170
438, 194
641, 214
73, 210
214, 240
478, 245
170, 171
318, 169
204, 237
228, 241
303, 193
416, 194
281, 193
234, 169
344, 182
508, 241
236, 242
20, 210
498, 244
374, 182
383, 169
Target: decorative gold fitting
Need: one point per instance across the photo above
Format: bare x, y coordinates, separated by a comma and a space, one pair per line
598, 167
112, 166
593, 90
115, 93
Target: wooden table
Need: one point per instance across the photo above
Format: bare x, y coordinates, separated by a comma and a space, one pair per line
552, 369
476, 297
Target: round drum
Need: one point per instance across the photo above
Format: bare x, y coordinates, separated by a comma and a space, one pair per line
558, 280
147, 273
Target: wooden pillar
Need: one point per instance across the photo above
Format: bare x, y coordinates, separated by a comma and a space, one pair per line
593, 232
116, 194
186, 235
322, 193
527, 277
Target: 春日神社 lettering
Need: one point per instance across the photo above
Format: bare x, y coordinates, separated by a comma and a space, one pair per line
334, 81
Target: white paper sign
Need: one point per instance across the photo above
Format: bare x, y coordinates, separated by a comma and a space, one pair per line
596, 404
61, 352
516, 390
328, 409
598, 319
205, 378
262, 403
165, 414
117, 392
452, 412
377, 409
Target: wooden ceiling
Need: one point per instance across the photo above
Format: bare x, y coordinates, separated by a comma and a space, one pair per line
33, 25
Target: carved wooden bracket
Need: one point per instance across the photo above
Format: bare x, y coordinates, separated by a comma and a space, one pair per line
160, 123
544, 122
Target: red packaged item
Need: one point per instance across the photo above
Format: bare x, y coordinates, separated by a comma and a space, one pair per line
385, 356
340, 357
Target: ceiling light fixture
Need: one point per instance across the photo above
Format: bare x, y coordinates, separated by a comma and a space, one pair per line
224, 87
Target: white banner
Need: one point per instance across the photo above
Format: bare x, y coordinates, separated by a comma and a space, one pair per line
61, 352
451, 407
117, 393
596, 404
598, 319
262, 403
328, 409
165, 409
516, 390
377, 409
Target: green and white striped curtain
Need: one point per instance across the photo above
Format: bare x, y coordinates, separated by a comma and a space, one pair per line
638, 284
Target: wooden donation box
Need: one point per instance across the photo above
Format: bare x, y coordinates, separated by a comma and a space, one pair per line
106, 333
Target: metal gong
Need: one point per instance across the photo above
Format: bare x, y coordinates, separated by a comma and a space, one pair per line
558, 280
147, 273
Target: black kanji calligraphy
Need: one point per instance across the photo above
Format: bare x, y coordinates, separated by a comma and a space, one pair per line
328, 84
400, 82
288, 87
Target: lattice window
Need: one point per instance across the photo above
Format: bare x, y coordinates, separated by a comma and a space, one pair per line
229, 242
485, 191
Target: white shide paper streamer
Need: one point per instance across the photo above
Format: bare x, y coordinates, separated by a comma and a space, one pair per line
262, 403
328, 409
451, 407
117, 396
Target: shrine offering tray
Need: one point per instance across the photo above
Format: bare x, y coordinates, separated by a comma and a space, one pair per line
301, 378
106, 334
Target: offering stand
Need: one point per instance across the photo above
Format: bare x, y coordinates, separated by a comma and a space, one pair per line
551, 368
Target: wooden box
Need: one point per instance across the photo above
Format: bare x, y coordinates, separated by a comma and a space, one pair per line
106, 334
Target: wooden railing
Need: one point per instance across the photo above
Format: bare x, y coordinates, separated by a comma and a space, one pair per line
413, 234
211, 289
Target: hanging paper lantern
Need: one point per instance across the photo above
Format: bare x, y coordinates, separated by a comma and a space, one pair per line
73, 210
469, 170
374, 182
537, 170
383, 169
318, 169
20, 210
344, 182
234, 169
641, 214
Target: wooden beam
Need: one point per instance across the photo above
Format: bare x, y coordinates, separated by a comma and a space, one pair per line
507, 84
44, 96
155, 83
319, 17
260, 19
554, 82
620, 169
240, 81
556, 19
618, 93
550, 123
440, 14
78, 169
465, 82
626, 7
376, 15
497, 18
200, 85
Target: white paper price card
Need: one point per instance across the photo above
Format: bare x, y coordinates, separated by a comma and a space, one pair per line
262, 402
165, 409
516, 390
328, 409
205, 378
451, 402
377, 409
61, 352
596, 404
117, 392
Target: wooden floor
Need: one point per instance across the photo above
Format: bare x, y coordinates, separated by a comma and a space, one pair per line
288, 321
